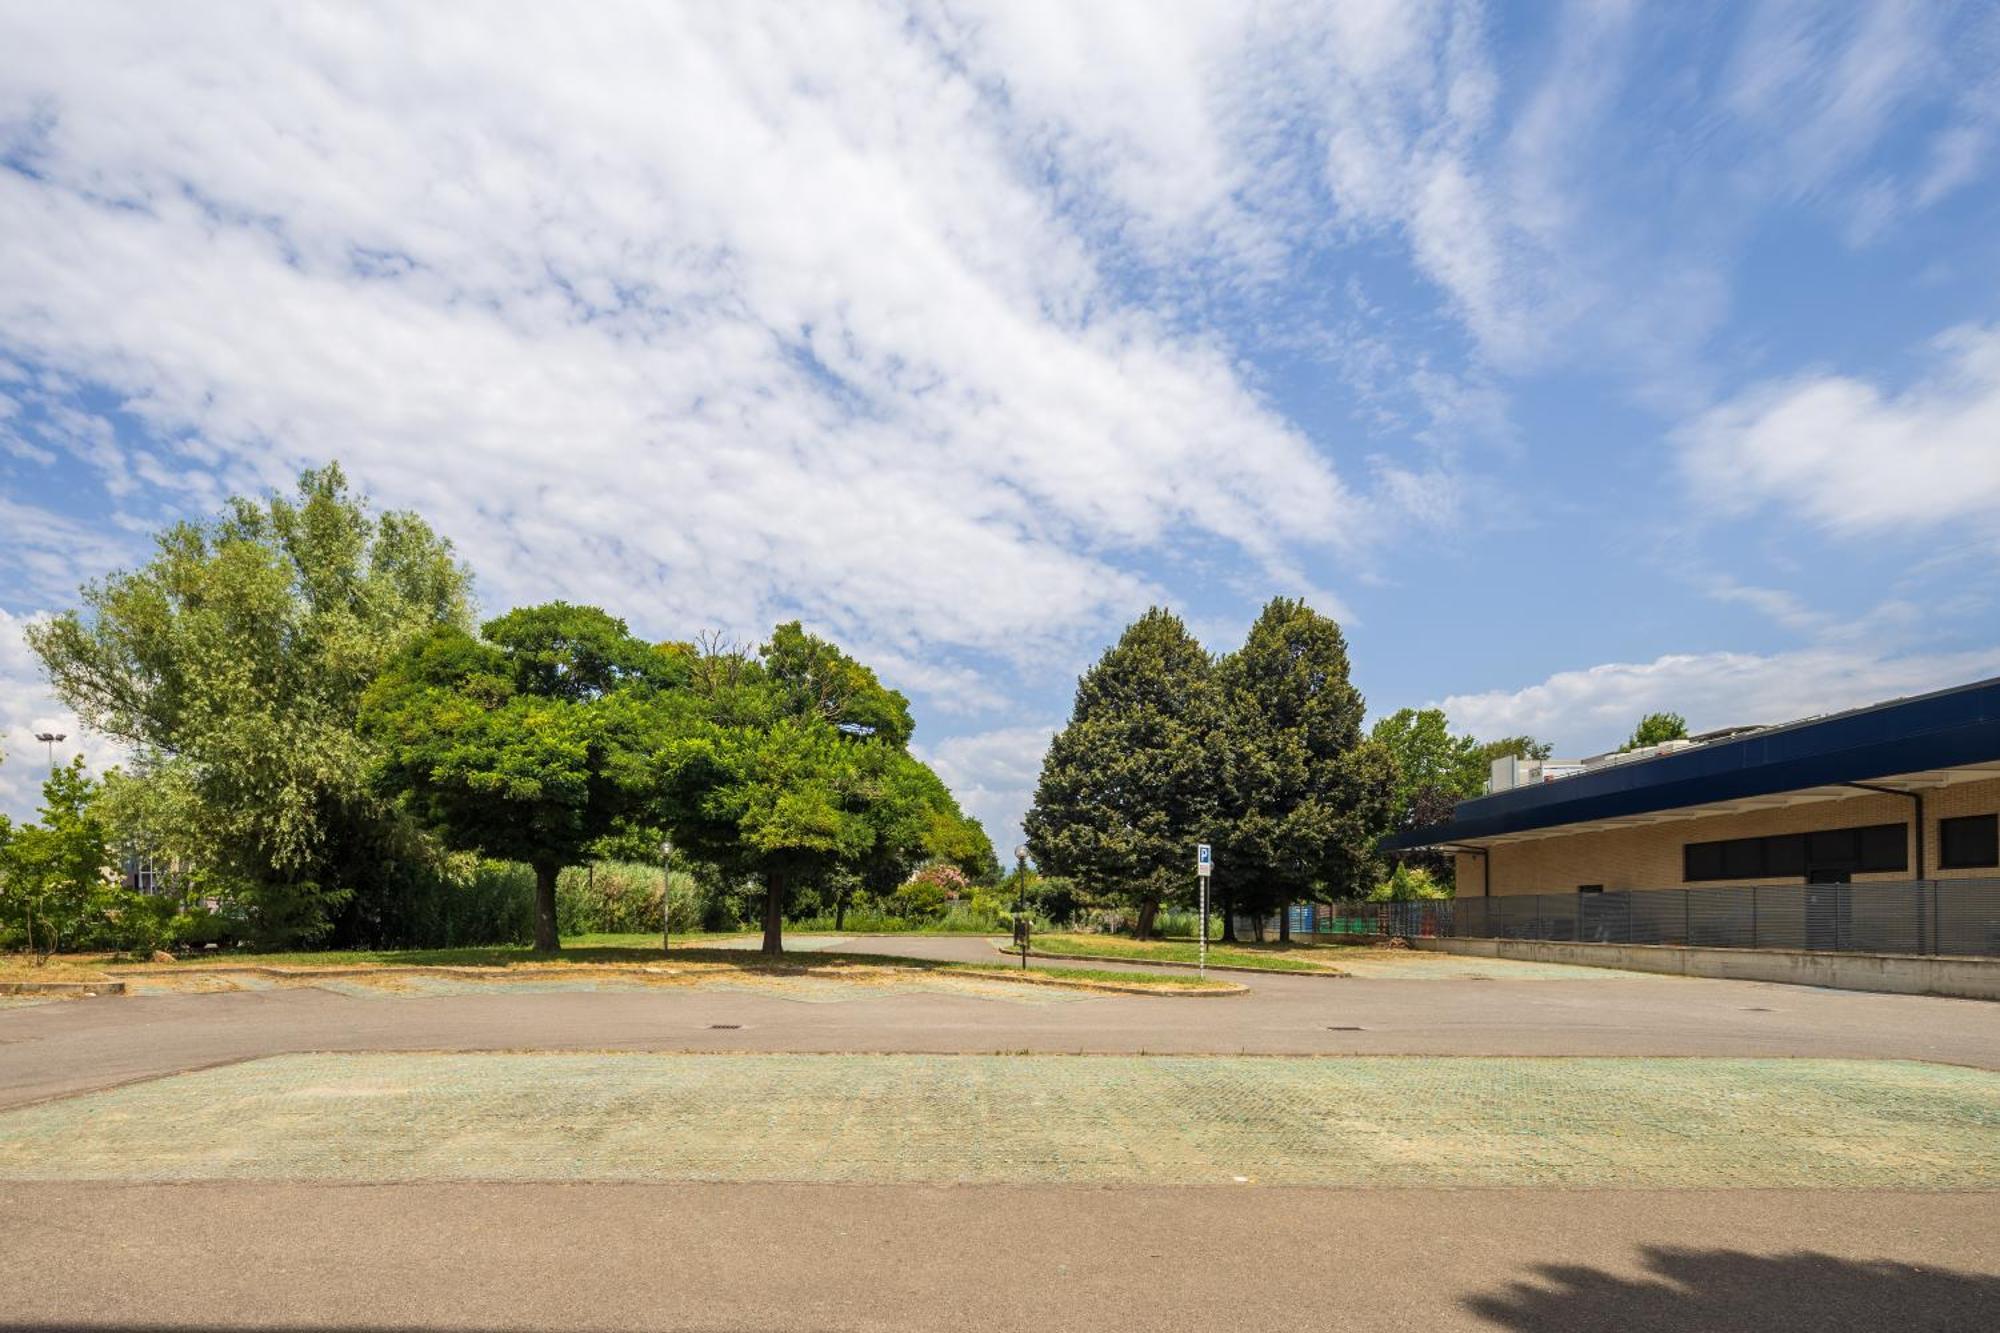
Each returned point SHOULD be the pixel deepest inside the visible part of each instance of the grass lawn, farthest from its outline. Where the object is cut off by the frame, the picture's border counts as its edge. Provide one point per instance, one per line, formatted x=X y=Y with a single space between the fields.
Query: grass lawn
x=597 y=951
x=1272 y=957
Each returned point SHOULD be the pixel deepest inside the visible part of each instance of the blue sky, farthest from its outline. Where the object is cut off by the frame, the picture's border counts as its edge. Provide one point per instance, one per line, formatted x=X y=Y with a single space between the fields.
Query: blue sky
x=1583 y=360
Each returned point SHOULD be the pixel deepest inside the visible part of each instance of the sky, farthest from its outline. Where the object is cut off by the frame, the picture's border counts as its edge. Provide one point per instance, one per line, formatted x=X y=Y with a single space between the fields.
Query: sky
x=1582 y=360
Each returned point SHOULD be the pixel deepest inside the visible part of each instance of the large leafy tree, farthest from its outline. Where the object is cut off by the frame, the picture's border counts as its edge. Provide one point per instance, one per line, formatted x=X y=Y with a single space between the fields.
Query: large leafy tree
x=789 y=767
x=529 y=743
x=1305 y=795
x=1128 y=787
x=1429 y=757
x=236 y=659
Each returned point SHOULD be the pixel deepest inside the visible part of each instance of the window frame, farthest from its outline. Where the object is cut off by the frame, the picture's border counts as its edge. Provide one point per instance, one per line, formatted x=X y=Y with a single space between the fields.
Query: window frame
x=1944 y=854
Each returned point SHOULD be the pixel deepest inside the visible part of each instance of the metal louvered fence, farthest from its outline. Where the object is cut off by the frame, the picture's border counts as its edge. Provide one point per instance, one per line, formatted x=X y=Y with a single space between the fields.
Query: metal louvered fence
x=1956 y=916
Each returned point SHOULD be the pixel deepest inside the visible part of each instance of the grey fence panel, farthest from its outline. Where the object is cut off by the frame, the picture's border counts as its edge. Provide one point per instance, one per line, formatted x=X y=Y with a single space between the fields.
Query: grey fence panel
x=1906 y=917
x=1965 y=917
x=1658 y=917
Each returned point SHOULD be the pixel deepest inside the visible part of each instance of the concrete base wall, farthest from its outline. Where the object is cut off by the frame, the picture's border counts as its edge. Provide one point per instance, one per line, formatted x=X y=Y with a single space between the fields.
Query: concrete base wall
x=1900 y=974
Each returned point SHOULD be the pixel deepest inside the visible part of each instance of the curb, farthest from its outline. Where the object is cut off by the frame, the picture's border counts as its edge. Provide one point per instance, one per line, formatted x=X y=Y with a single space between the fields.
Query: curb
x=62 y=988
x=498 y=975
x=1161 y=962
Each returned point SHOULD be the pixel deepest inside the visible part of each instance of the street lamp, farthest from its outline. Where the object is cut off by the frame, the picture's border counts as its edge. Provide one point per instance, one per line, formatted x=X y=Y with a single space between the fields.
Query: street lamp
x=1021 y=876
x=51 y=737
x=666 y=896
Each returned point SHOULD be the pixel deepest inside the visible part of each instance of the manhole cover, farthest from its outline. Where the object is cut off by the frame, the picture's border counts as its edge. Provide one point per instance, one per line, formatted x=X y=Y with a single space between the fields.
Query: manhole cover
x=1754 y=1009
x=1346 y=1027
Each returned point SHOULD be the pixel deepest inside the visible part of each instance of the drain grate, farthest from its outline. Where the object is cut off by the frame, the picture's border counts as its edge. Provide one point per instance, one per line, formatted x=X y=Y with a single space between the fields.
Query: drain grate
x=1346 y=1027
x=724 y=1027
x=1757 y=1009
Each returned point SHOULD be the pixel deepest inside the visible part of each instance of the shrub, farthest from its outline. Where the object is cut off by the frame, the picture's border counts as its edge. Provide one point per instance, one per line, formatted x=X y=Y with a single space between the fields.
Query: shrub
x=623 y=898
x=1408 y=884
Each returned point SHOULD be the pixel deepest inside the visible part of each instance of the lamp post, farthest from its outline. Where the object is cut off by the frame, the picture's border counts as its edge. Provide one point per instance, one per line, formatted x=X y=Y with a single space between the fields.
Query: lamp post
x=51 y=737
x=666 y=896
x=1021 y=926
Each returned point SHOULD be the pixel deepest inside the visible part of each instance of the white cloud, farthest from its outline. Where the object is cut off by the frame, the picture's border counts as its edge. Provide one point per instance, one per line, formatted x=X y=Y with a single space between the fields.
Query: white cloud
x=1596 y=708
x=715 y=315
x=1858 y=460
x=993 y=774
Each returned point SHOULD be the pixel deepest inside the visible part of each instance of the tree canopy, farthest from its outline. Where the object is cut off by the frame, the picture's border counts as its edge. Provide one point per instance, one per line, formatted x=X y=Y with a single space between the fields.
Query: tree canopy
x=527 y=743
x=1656 y=729
x=1129 y=786
x=791 y=765
x=1429 y=757
x=1304 y=796
x=236 y=658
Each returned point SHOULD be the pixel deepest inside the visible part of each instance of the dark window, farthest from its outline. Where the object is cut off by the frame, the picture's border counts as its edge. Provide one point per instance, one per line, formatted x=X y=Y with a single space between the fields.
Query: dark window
x=1785 y=854
x=1743 y=858
x=1877 y=847
x=1833 y=847
x=1702 y=860
x=1884 y=847
x=1973 y=840
x=1590 y=888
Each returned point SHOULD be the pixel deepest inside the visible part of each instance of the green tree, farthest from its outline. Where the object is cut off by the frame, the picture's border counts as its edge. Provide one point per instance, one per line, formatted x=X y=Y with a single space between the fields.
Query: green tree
x=1656 y=729
x=238 y=655
x=1128 y=787
x=530 y=743
x=790 y=768
x=1428 y=757
x=1513 y=747
x=54 y=872
x=817 y=680
x=1305 y=797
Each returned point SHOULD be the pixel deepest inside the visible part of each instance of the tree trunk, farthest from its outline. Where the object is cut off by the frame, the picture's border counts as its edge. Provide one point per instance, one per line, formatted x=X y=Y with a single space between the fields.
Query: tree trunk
x=1228 y=919
x=1148 y=909
x=840 y=911
x=1284 y=923
x=545 y=909
x=774 y=915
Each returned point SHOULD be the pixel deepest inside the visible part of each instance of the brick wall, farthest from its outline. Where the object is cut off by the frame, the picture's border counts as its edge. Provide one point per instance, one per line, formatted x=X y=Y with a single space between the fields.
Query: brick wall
x=1648 y=856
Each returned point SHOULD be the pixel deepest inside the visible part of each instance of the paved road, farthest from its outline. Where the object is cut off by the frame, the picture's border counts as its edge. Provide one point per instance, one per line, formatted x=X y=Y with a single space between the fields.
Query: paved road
x=56 y=1049
x=747 y=1257
x=863 y=1257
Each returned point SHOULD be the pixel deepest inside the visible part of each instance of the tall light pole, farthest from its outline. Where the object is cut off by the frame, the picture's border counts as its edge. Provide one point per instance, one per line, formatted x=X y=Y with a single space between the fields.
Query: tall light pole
x=51 y=737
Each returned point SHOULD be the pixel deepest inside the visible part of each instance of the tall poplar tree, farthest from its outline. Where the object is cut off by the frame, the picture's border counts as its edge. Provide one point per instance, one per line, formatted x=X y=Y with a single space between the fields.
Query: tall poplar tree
x=1128 y=787
x=1304 y=795
x=234 y=660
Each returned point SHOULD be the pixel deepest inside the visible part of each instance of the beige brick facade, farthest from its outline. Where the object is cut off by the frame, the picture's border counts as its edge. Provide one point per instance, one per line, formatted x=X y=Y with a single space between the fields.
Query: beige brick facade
x=1649 y=856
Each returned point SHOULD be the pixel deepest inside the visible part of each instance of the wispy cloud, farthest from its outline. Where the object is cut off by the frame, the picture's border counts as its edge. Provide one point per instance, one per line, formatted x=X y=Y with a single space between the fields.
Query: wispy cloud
x=1855 y=458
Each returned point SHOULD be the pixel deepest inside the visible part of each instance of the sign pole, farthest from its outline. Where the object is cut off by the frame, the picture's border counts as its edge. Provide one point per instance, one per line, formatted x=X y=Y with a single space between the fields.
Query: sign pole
x=1204 y=864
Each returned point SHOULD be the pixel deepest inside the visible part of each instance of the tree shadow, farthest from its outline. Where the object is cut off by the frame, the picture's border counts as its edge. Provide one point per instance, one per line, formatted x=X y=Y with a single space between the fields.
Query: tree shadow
x=1721 y=1291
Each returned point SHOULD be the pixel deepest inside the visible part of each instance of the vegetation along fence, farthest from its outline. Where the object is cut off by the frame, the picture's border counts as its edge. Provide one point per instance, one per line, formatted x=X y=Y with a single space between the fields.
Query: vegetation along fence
x=1914 y=917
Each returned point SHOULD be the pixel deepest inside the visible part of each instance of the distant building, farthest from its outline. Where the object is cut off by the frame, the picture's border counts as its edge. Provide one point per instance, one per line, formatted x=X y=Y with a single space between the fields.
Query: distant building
x=1904 y=790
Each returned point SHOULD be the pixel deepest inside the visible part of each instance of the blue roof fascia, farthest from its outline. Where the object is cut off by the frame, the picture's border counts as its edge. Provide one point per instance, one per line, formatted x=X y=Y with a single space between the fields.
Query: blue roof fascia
x=1942 y=730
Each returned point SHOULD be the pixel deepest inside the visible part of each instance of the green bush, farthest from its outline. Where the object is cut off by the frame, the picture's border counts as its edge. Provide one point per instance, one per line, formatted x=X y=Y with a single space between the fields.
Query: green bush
x=1408 y=884
x=623 y=898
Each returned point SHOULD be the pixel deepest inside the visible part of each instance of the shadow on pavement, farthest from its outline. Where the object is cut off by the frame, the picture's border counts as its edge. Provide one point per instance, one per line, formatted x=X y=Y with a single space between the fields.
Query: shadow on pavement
x=1721 y=1291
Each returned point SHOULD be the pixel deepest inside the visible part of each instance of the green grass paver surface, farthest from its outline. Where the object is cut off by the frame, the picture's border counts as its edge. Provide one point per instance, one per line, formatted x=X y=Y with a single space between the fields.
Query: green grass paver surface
x=1355 y=1121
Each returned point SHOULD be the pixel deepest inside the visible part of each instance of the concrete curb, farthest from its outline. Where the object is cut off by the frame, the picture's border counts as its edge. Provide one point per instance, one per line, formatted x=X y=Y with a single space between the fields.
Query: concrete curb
x=500 y=975
x=62 y=988
x=1161 y=962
